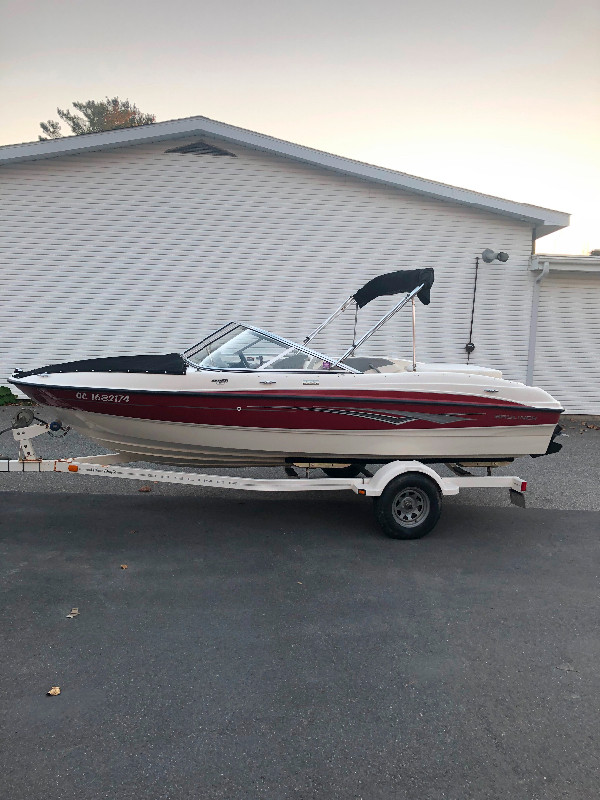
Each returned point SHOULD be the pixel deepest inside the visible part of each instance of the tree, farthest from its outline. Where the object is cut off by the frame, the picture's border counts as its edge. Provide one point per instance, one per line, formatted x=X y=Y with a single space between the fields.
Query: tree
x=103 y=115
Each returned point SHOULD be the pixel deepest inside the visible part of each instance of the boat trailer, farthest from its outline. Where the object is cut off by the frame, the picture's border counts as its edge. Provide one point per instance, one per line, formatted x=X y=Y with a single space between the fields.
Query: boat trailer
x=407 y=494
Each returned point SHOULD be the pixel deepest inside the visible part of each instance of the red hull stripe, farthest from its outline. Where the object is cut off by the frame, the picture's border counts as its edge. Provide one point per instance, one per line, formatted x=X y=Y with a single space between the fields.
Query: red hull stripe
x=315 y=411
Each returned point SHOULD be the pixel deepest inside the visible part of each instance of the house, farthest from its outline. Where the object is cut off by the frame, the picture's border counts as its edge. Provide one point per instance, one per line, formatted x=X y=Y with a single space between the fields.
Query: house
x=145 y=239
x=564 y=340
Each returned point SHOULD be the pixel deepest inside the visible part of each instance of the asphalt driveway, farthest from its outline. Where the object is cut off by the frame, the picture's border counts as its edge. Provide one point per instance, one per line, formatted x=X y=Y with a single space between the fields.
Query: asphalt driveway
x=274 y=646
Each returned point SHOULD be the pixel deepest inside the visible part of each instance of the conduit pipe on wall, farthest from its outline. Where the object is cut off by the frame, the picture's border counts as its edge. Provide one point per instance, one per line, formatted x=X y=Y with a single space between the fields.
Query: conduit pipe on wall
x=469 y=347
x=533 y=323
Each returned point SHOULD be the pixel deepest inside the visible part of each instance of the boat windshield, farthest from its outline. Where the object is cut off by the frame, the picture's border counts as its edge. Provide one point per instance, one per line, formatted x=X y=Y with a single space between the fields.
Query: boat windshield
x=239 y=347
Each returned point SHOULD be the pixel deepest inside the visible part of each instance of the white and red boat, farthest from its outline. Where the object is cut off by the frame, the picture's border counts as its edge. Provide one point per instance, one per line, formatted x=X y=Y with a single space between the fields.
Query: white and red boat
x=244 y=397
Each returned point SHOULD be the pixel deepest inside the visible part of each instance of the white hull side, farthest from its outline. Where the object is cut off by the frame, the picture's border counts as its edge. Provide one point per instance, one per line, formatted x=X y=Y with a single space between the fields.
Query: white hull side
x=197 y=444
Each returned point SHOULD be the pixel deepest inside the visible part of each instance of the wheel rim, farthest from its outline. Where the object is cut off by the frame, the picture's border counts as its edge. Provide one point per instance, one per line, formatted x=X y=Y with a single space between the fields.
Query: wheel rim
x=410 y=507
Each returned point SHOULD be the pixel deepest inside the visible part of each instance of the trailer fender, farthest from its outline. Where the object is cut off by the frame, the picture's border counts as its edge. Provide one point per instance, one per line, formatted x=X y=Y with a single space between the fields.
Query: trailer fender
x=374 y=486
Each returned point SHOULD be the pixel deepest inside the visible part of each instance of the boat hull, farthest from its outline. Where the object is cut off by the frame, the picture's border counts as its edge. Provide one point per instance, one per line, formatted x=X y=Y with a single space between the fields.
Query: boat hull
x=192 y=444
x=272 y=427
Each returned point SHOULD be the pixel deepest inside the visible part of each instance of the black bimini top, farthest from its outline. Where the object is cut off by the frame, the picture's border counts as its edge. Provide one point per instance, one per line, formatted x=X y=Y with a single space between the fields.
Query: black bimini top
x=169 y=364
x=404 y=280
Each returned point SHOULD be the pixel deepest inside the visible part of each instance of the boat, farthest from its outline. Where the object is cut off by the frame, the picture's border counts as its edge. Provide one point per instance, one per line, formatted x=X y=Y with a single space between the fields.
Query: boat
x=243 y=396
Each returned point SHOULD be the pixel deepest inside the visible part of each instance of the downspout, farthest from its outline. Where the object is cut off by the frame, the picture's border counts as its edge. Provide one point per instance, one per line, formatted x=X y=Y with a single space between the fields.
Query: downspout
x=533 y=323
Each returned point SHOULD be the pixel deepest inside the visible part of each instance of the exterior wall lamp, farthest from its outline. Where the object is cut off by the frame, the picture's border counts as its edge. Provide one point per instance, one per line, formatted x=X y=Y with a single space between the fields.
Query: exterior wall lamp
x=490 y=255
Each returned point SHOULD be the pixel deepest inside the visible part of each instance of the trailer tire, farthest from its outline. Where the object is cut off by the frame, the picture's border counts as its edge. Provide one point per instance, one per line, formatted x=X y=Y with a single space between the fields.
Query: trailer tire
x=409 y=506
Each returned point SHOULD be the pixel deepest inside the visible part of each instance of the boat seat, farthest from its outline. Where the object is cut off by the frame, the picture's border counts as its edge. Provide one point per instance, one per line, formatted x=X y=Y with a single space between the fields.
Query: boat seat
x=399 y=365
x=369 y=364
x=392 y=365
x=380 y=365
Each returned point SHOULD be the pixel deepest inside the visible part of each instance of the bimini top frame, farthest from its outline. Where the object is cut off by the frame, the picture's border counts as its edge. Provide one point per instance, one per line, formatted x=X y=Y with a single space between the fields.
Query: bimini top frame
x=416 y=282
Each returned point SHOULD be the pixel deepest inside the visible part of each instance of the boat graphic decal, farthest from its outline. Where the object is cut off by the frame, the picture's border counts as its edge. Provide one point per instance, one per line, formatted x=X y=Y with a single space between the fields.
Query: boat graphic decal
x=388 y=417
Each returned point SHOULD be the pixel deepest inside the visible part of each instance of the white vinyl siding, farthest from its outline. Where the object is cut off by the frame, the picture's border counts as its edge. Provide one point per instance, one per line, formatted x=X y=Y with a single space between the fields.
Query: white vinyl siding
x=137 y=250
x=567 y=358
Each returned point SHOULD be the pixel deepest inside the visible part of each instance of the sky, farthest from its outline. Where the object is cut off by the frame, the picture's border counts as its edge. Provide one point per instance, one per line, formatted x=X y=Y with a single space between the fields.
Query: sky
x=502 y=98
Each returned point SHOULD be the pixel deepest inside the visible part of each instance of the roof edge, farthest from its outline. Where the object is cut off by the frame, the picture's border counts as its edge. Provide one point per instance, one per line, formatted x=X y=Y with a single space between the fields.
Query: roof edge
x=543 y=220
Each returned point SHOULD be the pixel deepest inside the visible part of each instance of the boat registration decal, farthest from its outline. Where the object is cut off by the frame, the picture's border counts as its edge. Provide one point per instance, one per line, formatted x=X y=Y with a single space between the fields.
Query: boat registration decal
x=103 y=398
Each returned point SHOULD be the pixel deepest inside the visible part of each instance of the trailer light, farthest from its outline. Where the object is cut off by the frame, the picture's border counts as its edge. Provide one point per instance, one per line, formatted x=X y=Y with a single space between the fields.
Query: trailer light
x=523 y=486
x=362 y=491
x=73 y=468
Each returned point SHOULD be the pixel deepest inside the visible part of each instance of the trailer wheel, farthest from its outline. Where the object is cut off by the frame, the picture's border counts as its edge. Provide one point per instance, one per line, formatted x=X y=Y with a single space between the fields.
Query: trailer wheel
x=409 y=506
x=351 y=471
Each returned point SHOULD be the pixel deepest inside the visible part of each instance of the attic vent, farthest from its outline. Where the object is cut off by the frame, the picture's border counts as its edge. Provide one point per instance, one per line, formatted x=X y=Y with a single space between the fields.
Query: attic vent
x=201 y=149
